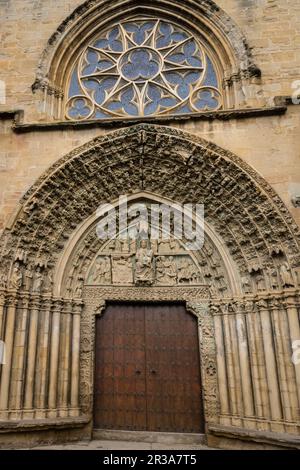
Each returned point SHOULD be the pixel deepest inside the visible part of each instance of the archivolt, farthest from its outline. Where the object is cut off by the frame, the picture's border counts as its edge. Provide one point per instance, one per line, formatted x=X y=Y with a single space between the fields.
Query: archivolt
x=240 y=206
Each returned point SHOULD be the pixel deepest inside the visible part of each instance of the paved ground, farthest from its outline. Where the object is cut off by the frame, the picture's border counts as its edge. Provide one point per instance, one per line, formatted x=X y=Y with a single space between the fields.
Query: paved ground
x=121 y=445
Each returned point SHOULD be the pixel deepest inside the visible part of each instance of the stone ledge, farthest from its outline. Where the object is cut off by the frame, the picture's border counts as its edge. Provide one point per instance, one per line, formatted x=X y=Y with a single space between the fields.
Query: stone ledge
x=222 y=115
x=267 y=437
x=41 y=424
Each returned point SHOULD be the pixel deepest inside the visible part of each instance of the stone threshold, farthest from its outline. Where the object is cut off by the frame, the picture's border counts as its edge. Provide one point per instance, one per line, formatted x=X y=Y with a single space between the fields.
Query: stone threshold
x=266 y=437
x=22 y=425
x=223 y=115
x=168 y=438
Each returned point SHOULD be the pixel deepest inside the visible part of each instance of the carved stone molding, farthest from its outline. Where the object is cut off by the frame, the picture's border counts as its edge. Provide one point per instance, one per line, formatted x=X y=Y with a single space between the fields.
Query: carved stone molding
x=260 y=236
x=196 y=300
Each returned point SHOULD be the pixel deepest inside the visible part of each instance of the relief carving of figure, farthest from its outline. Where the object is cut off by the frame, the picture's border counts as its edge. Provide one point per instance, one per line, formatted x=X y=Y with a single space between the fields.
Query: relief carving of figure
x=144 y=264
x=102 y=273
x=186 y=272
x=16 y=279
x=286 y=276
x=166 y=270
x=122 y=270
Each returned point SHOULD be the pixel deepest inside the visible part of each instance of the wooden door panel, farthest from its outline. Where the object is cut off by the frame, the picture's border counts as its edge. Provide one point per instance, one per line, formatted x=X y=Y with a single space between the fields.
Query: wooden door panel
x=120 y=390
x=147 y=374
x=173 y=370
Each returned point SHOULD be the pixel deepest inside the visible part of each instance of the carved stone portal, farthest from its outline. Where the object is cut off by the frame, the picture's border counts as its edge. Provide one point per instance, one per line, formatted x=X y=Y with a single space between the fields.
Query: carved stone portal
x=197 y=303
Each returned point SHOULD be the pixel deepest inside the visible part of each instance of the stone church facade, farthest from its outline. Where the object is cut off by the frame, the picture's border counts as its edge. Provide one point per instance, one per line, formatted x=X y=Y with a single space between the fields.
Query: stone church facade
x=165 y=102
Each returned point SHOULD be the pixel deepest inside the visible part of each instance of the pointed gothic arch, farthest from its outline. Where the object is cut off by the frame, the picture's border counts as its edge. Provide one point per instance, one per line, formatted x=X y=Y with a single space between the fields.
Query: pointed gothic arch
x=254 y=237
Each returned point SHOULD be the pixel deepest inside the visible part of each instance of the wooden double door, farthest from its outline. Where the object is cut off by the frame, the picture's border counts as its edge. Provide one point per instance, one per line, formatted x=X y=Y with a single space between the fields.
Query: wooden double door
x=147 y=369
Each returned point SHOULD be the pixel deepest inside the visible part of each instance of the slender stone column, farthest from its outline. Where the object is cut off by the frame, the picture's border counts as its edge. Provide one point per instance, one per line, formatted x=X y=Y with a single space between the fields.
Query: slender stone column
x=65 y=346
x=31 y=356
x=77 y=308
x=282 y=369
x=271 y=367
x=289 y=366
x=17 y=379
x=260 y=398
x=54 y=352
x=230 y=370
x=245 y=365
x=236 y=362
x=2 y=312
x=221 y=365
x=12 y=302
x=42 y=370
x=294 y=327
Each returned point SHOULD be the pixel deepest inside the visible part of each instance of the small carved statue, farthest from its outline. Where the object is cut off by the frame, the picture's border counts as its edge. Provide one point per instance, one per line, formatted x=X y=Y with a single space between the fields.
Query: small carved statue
x=79 y=287
x=16 y=279
x=273 y=278
x=3 y=280
x=37 y=281
x=144 y=264
x=260 y=282
x=246 y=284
x=48 y=285
x=213 y=290
x=28 y=277
x=286 y=276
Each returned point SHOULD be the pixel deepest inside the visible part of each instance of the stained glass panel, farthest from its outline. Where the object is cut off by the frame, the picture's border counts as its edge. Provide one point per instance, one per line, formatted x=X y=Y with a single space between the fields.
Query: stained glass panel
x=142 y=68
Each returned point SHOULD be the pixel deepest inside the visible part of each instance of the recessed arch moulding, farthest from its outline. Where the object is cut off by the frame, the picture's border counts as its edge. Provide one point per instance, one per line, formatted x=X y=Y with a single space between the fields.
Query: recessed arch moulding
x=238 y=74
x=56 y=275
x=246 y=222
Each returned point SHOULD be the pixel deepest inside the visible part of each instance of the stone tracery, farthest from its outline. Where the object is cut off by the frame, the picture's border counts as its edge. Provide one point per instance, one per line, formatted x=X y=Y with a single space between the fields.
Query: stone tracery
x=142 y=67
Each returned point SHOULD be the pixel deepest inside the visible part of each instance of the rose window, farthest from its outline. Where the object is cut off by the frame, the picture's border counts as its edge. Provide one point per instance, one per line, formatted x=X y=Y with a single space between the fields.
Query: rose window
x=143 y=68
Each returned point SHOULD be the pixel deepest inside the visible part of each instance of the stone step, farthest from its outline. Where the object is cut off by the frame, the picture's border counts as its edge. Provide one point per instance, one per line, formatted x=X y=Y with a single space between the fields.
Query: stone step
x=148 y=436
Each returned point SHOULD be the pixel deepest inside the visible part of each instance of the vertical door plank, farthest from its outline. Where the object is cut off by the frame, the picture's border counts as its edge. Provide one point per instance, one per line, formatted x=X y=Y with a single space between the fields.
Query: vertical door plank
x=173 y=370
x=120 y=398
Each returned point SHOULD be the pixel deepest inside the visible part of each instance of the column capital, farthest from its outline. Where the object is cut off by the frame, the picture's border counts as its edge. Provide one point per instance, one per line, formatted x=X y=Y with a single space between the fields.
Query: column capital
x=77 y=307
x=57 y=305
x=12 y=299
x=35 y=303
x=262 y=304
